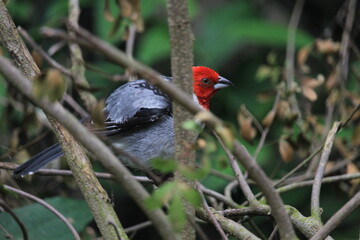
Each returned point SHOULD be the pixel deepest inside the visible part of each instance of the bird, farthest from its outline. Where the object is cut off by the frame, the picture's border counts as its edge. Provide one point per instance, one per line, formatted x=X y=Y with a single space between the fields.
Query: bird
x=139 y=120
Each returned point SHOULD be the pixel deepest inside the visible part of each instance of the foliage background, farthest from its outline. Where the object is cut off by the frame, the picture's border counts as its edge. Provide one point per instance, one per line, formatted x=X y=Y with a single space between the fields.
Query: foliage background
x=233 y=37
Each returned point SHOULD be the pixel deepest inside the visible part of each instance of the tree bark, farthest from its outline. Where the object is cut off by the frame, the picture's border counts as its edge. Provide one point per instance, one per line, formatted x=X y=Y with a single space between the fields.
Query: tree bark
x=181 y=41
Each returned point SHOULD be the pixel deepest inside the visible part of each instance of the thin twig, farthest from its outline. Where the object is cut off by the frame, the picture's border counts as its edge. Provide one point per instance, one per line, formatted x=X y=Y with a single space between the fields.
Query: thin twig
x=295 y=169
x=77 y=61
x=238 y=174
x=129 y=49
x=315 y=194
x=343 y=65
x=48 y=206
x=138 y=227
x=231 y=227
x=338 y=217
x=67 y=173
x=56 y=65
x=267 y=128
x=211 y=215
x=218 y=196
x=22 y=227
x=290 y=46
x=331 y=179
x=273 y=233
x=229 y=187
x=41 y=51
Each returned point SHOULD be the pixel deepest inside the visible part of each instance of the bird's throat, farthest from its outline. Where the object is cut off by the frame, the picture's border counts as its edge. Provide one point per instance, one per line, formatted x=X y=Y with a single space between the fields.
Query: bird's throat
x=204 y=102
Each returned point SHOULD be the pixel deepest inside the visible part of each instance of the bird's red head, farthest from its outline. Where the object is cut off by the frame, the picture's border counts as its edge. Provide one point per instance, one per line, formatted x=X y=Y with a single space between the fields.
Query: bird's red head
x=206 y=83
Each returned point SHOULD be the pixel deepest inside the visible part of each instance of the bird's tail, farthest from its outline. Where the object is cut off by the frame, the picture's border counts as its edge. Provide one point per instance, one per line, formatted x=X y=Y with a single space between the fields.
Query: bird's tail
x=39 y=160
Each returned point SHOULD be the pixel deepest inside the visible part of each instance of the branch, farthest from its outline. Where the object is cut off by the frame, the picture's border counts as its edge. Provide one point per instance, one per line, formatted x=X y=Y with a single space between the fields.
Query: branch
x=93 y=144
x=315 y=194
x=48 y=206
x=182 y=59
x=245 y=188
x=338 y=217
x=332 y=179
x=15 y=45
x=21 y=225
x=231 y=227
x=343 y=65
x=77 y=61
x=67 y=173
x=210 y=213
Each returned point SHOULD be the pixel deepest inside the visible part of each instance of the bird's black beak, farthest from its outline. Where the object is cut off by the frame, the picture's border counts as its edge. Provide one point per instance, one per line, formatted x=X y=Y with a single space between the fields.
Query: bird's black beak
x=223 y=83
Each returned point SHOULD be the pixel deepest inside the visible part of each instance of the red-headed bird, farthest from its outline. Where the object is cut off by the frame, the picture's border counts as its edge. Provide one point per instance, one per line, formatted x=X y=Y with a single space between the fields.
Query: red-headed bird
x=139 y=120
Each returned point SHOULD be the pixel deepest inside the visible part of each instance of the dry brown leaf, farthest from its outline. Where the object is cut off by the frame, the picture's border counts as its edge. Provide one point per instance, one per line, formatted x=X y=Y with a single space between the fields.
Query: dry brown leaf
x=283 y=109
x=98 y=115
x=309 y=93
x=331 y=80
x=269 y=119
x=126 y=8
x=107 y=13
x=37 y=58
x=351 y=168
x=355 y=139
x=327 y=46
x=286 y=151
x=303 y=54
x=329 y=166
x=247 y=131
x=313 y=82
x=201 y=143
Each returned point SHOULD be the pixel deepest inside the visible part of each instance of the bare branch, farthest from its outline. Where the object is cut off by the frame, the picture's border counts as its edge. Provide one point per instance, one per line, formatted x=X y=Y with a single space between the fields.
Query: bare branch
x=238 y=174
x=315 y=194
x=210 y=214
x=48 y=206
x=22 y=227
x=343 y=65
x=338 y=217
x=218 y=196
x=231 y=227
x=67 y=173
x=77 y=61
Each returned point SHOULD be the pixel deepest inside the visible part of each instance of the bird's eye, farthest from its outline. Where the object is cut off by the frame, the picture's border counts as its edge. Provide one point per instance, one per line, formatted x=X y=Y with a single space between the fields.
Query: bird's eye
x=205 y=80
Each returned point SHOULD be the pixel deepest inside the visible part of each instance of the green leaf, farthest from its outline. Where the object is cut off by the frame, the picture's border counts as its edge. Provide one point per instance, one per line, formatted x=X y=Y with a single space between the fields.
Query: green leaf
x=40 y=223
x=161 y=195
x=177 y=213
x=193 y=173
x=164 y=165
x=192 y=196
x=192 y=125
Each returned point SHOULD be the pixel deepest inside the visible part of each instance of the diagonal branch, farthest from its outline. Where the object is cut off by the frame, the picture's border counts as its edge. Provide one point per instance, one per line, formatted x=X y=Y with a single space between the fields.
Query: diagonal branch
x=338 y=217
x=48 y=206
x=315 y=194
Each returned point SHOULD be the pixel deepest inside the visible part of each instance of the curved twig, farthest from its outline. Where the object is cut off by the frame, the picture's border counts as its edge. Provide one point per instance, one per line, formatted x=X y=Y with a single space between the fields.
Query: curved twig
x=315 y=194
x=48 y=206
x=17 y=220
x=211 y=215
x=338 y=217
